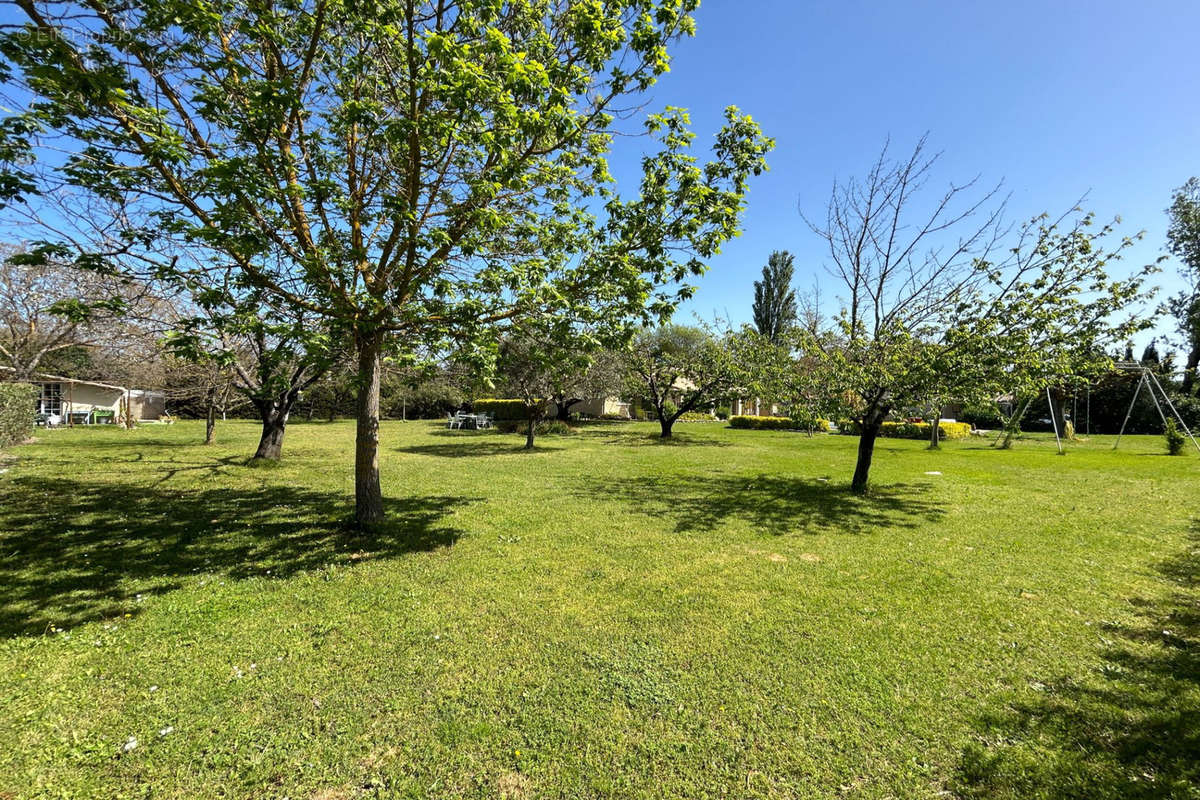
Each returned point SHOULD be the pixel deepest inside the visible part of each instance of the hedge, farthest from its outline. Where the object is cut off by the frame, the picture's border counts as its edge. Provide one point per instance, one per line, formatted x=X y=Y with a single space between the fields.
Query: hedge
x=500 y=409
x=913 y=430
x=749 y=422
x=16 y=412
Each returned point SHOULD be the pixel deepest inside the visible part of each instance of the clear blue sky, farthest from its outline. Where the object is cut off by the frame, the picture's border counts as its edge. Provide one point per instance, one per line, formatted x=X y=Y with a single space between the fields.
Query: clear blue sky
x=1055 y=98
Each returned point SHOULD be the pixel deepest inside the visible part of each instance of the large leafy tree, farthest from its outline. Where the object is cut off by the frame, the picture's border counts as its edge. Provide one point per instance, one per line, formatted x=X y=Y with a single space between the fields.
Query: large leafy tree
x=1183 y=241
x=774 y=298
x=532 y=362
x=934 y=283
x=680 y=368
x=413 y=170
x=271 y=354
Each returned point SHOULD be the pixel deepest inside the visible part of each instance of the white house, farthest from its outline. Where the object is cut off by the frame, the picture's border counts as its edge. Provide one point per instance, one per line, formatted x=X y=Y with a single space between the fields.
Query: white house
x=77 y=402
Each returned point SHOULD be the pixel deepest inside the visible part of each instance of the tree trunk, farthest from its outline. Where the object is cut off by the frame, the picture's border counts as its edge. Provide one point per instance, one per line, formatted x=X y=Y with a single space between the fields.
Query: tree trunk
x=935 y=433
x=1058 y=414
x=274 y=425
x=666 y=423
x=530 y=428
x=872 y=421
x=368 y=496
x=1189 y=371
x=1013 y=426
x=563 y=409
x=210 y=418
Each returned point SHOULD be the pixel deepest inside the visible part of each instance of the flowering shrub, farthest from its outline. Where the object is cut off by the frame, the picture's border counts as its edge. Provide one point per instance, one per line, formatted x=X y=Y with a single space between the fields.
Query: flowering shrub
x=748 y=422
x=912 y=430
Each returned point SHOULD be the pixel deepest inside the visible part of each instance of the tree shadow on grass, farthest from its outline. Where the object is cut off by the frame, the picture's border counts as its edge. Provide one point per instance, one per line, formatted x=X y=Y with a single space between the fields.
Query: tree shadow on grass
x=1129 y=729
x=644 y=438
x=479 y=444
x=773 y=504
x=75 y=551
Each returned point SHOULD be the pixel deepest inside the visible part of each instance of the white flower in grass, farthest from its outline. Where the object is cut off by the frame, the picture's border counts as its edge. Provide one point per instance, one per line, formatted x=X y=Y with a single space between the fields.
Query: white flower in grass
x=130 y=744
x=166 y=730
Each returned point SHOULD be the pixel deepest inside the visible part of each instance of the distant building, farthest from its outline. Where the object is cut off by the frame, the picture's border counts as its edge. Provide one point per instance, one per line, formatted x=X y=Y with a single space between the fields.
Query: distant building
x=70 y=401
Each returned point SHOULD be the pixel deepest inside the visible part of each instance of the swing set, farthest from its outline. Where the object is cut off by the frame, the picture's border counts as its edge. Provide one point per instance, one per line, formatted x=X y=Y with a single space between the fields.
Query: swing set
x=1146 y=378
x=1150 y=381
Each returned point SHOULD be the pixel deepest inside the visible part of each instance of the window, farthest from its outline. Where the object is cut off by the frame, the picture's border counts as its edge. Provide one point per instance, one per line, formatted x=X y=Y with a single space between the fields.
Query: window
x=50 y=399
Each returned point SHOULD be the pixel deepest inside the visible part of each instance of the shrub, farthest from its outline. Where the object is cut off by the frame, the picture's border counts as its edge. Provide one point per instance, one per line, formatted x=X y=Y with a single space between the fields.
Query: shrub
x=748 y=422
x=911 y=430
x=981 y=415
x=724 y=412
x=430 y=399
x=804 y=420
x=16 y=412
x=1175 y=439
x=696 y=416
x=500 y=409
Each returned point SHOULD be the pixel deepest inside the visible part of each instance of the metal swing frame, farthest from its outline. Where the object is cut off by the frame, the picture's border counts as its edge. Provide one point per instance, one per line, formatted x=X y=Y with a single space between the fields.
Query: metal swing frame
x=1150 y=381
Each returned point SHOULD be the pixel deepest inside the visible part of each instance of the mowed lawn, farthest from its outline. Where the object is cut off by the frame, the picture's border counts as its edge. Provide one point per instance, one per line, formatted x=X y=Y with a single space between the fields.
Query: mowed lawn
x=608 y=616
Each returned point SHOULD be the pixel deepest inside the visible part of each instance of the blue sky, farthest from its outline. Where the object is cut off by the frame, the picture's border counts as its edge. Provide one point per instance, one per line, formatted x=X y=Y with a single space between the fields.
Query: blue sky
x=1054 y=98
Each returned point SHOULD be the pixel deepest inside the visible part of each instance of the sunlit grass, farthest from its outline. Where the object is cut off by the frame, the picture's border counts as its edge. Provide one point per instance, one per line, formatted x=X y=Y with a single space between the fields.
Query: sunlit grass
x=607 y=616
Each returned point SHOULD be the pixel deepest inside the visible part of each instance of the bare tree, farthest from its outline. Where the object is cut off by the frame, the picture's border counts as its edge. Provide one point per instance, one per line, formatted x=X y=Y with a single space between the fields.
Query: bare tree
x=47 y=308
x=941 y=300
x=901 y=260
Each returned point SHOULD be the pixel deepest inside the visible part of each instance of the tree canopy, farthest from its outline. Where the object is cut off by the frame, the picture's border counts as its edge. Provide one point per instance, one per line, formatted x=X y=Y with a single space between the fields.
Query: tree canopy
x=774 y=307
x=936 y=287
x=415 y=171
x=1183 y=241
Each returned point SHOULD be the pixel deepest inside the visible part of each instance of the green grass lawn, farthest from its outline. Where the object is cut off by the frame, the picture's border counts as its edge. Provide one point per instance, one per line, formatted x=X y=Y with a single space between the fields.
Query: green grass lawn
x=608 y=616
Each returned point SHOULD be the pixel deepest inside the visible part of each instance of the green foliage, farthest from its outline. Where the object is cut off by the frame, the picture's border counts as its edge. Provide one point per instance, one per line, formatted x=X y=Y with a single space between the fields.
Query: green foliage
x=414 y=175
x=502 y=409
x=981 y=415
x=1174 y=437
x=426 y=399
x=803 y=419
x=17 y=403
x=679 y=368
x=751 y=422
x=1183 y=241
x=774 y=307
x=724 y=411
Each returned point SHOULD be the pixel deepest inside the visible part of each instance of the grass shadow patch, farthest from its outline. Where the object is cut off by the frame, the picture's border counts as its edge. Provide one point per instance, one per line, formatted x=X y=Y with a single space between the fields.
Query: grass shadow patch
x=482 y=445
x=1127 y=730
x=628 y=438
x=76 y=551
x=773 y=504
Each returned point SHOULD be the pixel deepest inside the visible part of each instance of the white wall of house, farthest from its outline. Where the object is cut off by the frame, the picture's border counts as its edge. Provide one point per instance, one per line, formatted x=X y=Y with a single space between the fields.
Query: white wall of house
x=64 y=397
x=598 y=407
